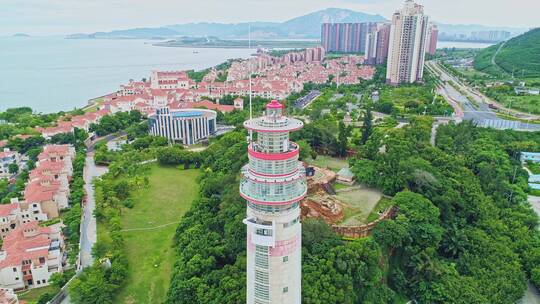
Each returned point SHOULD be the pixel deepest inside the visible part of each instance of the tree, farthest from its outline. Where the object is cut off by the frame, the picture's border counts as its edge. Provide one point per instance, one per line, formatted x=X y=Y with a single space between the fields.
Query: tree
x=305 y=149
x=342 y=139
x=91 y=287
x=13 y=168
x=367 y=128
x=45 y=298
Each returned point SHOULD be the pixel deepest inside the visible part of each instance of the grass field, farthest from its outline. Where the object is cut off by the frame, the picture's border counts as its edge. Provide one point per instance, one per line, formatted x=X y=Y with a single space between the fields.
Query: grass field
x=523 y=103
x=383 y=204
x=149 y=252
x=32 y=296
x=472 y=73
x=534 y=167
x=328 y=162
x=359 y=202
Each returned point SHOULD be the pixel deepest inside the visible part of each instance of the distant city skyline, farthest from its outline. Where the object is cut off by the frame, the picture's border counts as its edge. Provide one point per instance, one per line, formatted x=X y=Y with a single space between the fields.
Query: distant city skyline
x=58 y=17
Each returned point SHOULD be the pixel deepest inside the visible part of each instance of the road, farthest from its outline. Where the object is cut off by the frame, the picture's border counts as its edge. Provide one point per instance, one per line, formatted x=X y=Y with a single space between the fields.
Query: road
x=88 y=221
x=497 y=53
x=305 y=101
x=474 y=108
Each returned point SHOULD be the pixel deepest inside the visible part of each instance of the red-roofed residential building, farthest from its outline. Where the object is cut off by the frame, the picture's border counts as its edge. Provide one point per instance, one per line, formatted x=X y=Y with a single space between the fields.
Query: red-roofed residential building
x=58 y=153
x=30 y=255
x=170 y=80
x=49 y=195
x=7 y=296
x=49 y=132
x=206 y=104
x=47 y=191
x=9 y=218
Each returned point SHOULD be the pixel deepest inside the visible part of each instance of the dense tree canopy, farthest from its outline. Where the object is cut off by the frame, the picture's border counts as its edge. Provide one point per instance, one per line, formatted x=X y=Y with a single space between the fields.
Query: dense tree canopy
x=467 y=226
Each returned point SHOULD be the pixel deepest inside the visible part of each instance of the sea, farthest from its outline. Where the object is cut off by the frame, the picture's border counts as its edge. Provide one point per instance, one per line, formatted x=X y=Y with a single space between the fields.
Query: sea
x=51 y=74
x=462 y=45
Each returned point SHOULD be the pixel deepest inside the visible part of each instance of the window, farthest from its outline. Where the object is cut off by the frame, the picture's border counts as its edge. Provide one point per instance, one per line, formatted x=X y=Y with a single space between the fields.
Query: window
x=14 y=269
x=264 y=232
x=285 y=289
x=285 y=259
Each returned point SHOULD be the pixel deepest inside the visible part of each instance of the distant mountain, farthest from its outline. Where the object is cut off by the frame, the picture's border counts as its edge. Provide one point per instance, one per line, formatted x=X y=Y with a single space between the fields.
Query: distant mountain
x=221 y=30
x=308 y=26
x=466 y=29
x=519 y=55
x=137 y=33
x=21 y=35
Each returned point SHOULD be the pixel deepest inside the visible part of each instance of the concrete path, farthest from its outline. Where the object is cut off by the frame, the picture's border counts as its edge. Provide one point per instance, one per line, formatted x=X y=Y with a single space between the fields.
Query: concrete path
x=88 y=221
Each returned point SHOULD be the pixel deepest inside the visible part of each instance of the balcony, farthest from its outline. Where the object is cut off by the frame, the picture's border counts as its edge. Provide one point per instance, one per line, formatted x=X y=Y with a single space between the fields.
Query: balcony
x=262 y=232
x=265 y=124
x=254 y=150
x=287 y=197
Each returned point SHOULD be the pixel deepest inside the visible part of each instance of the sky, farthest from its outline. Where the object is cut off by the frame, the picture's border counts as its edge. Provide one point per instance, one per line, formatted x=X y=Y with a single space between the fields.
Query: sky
x=52 y=17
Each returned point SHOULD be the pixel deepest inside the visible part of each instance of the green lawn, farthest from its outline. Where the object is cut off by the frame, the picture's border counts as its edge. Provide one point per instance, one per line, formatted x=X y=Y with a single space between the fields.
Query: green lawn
x=523 y=103
x=359 y=202
x=97 y=102
x=149 y=252
x=328 y=162
x=472 y=73
x=382 y=205
x=534 y=167
x=32 y=296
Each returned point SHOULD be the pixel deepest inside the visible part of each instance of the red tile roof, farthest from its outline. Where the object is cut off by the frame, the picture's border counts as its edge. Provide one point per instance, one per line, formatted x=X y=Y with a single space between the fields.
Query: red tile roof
x=7 y=209
x=19 y=247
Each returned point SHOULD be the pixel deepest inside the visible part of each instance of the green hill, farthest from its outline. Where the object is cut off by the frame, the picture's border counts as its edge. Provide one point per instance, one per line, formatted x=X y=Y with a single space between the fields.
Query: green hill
x=520 y=55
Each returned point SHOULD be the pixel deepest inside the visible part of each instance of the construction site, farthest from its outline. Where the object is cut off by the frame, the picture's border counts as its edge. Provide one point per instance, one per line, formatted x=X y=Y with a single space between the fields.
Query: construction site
x=352 y=210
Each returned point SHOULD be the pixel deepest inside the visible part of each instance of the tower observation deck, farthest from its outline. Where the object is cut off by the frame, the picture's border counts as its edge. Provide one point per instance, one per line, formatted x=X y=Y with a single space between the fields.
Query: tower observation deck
x=273 y=184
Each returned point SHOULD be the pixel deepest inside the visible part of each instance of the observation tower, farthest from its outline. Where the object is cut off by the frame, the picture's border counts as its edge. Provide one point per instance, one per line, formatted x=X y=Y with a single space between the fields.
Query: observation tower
x=273 y=184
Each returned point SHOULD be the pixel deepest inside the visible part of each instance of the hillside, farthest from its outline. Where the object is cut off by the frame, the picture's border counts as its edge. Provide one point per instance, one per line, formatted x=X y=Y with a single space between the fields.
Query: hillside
x=307 y=26
x=519 y=55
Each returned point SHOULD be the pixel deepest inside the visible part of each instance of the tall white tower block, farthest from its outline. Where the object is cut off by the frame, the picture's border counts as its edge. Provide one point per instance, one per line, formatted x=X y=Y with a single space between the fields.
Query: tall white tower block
x=273 y=184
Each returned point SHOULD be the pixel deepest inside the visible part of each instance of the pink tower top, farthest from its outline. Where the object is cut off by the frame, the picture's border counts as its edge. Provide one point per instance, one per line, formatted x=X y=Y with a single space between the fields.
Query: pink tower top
x=274 y=104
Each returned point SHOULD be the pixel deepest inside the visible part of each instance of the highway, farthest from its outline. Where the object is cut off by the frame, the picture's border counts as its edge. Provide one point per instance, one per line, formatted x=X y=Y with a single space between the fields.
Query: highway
x=474 y=108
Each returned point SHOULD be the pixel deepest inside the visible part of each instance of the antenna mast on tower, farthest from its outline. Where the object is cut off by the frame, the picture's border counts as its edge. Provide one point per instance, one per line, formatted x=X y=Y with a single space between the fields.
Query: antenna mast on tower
x=250 y=75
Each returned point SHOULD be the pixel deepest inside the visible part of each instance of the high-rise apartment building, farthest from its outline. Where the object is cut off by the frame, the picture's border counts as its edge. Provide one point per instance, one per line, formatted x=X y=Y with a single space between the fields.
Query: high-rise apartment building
x=490 y=36
x=377 y=42
x=345 y=37
x=432 y=37
x=273 y=184
x=408 y=37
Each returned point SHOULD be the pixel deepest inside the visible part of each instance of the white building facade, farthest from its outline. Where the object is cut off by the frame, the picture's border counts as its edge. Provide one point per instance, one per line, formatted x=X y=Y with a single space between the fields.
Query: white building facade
x=8 y=157
x=187 y=126
x=408 y=37
x=273 y=184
